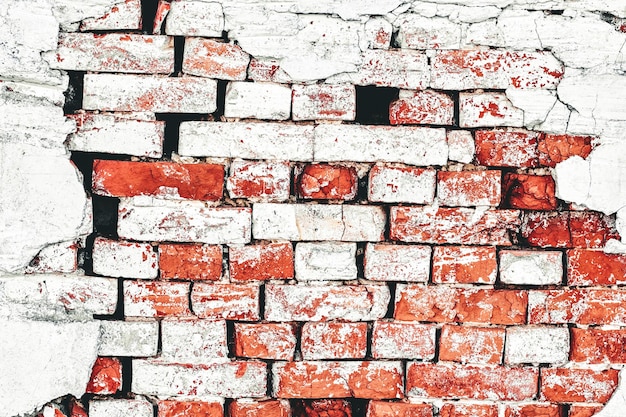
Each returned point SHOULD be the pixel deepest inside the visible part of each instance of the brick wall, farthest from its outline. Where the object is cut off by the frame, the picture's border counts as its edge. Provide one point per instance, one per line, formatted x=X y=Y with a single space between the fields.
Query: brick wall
x=327 y=208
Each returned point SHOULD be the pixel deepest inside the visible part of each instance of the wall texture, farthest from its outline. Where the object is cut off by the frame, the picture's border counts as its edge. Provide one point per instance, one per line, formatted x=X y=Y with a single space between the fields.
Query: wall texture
x=312 y=208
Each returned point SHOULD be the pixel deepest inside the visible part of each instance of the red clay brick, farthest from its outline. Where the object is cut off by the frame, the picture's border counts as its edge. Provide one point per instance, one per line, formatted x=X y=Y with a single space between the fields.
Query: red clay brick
x=331 y=340
x=469 y=188
x=533 y=410
x=471 y=344
x=598 y=346
x=228 y=301
x=557 y=148
x=468 y=410
x=261 y=262
x=594 y=267
x=156 y=299
x=322 y=181
x=578 y=410
x=422 y=107
x=464 y=265
x=76 y=409
x=323 y=408
x=174 y=408
x=265 y=340
x=529 y=192
x=584 y=306
x=106 y=376
x=259 y=180
x=257 y=408
x=507 y=148
x=576 y=229
x=398 y=409
x=403 y=340
x=578 y=385
x=192 y=262
x=213 y=59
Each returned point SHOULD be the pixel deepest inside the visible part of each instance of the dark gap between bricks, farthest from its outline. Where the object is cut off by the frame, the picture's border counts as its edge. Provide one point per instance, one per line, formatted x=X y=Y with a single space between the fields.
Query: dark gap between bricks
x=148 y=13
x=172 y=126
x=372 y=104
x=74 y=93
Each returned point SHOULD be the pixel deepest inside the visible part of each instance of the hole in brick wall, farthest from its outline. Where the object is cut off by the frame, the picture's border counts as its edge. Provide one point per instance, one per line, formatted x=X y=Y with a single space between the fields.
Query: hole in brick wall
x=457 y=107
x=221 y=100
x=360 y=259
x=230 y=338
x=372 y=104
x=179 y=52
x=362 y=188
x=74 y=93
x=359 y=407
x=172 y=125
x=127 y=374
x=392 y=296
x=394 y=39
x=148 y=13
x=105 y=215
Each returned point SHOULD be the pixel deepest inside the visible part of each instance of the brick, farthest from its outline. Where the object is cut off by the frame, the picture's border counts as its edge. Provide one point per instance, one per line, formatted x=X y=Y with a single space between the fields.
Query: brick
x=267 y=70
x=128 y=338
x=419 y=32
x=583 y=410
x=267 y=101
x=236 y=379
x=323 y=102
x=583 y=229
x=175 y=408
x=488 y=109
x=460 y=305
x=326 y=261
x=162 y=10
x=507 y=148
x=598 y=346
x=124 y=259
x=323 y=407
x=109 y=133
x=322 y=181
x=167 y=180
x=594 y=267
x=328 y=340
x=398 y=409
x=557 y=148
x=354 y=379
x=324 y=303
x=580 y=306
x=190 y=262
x=247 y=140
x=413 y=145
x=115 y=52
x=259 y=180
x=212 y=59
x=126 y=15
x=139 y=407
x=447 y=380
x=459 y=409
x=76 y=409
x=477 y=345
x=401 y=184
x=261 y=262
x=265 y=340
x=195 y=18
x=255 y=408
x=156 y=299
x=469 y=188
x=424 y=107
x=492 y=69
x=385 y=262
x=461 y=147
x=529 y=192
x=55 y=258
x=537 y=344
x=463 y=226
x=227 y=301
x=464 y=265
x=523 y=267
x=577 y=385
x=106 y=376
x=193 y=341
x=529 y=410
x=403 y=340
x=378 y=33
x=182 y=221
x=122 y=92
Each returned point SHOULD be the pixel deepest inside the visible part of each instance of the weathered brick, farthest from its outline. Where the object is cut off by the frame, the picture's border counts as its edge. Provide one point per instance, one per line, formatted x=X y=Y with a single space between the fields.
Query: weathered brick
x=109 y=407
x=256 y=408
x=186 y=408
x=323 y=407
x=212 y=59
x=378 y=33
x=228 y=301
x=326 y=261
x=354 y=379
x=450 y=305
x=524 y=267
x=267 y=101
x=423 y=107
x=106 y=376
x=193 y=341
x=461 y=147
x=508 y=148
x=190 y=262
x=398 y=409
x=557 y=148
x=526 y=410
x=323 y=102
x=261 y=262
x=488 y=109
x=329 y=340
x=128 y=338
x=464 y=226
x=259 y=180
x=403 y=340
x=162 y=10
x=156 y=299
x=563 y=385
x=401 y=184
x=267 y=70
x=594 y=267
x=122 y=92
x=576 y=229
x=536 y=344
x=265 y=340
x=467 y=344
x=55 y=258
x=580 y=306
x=584 y=410
x=195 y=18
x=464 y=265
x=529 y=192
x=469 y=188
x=124 y=259
x=126 y=15
x=460 y=409
x=385 y=262
x=323 y=303
x=598 y=346
x=419 y=32
x=322 y=181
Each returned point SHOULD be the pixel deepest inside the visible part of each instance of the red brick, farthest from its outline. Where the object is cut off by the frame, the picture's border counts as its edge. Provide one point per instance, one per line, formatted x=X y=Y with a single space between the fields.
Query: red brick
x=257 y=408
x=324 y=379
x=557 y=148
x=76 y=409
x=529 y=192
x=259 y=180
x=106 y=376
x=463 y=226
x=227 y=301
x=464 y=265
x=469 y=188
x=162 y=10
x=174 y=408
x=323 y=408
x=163 y=179
x=465 y=381
x=261 y=262
x=331 y=340
x=322 y=181
x=398 y=409
x=533 y=410
x=450 y=305
x=422 y=107
x=468 y=410
x=156 y=299
x=481 y=109
x=192 y=262
x=591 y=229
x=265 y=340
x=507 y=148
x=213 y=59
x=578 y=385
x=578 y=229
x=578 y=410
x=598 y=346
x=323 y=102
x=594 y=267
x=593 y=306
x=471 y=344
x=403 y=340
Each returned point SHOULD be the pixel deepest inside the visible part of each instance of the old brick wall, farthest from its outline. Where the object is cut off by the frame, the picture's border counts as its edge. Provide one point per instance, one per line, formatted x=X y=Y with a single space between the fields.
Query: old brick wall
x=312 y=208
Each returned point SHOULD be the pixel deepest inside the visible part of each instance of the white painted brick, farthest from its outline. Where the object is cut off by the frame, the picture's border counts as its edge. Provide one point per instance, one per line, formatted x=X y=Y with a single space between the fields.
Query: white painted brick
x=138 y=407
x=122 y=92
x=259 y=180
x=461 y=147
x=535 y=103
x=247 y=140
x=406 y=144
x=212 y=59
x=418 y=32
x=227 y=301
x=124 y=259
x=56 y=258
x=422 y=107
x=363 y=223
x=193 y=341
x=384 y=262
x=333 y=340
x=226 y=379
x=530 y=344
x=347 y=9
x=257 y=100
x=195 y=18
x=324 y=102
x=129 y=338
x=403 y=340
x=397 y=184
x=326 y=261
x=514 y=29
x=151 y=219
x=531 y=267
x=124 y=15
x=378 y=33
x=267 y=70
x=156 y=298
x=488 y=109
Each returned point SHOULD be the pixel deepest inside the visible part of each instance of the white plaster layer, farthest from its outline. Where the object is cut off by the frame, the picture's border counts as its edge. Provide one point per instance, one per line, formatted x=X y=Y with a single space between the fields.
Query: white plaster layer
x=193 y=341
x=129 y=338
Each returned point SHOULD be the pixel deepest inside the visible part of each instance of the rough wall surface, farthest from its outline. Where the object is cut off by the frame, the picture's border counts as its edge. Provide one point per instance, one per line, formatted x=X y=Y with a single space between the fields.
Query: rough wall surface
x=312 y=208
